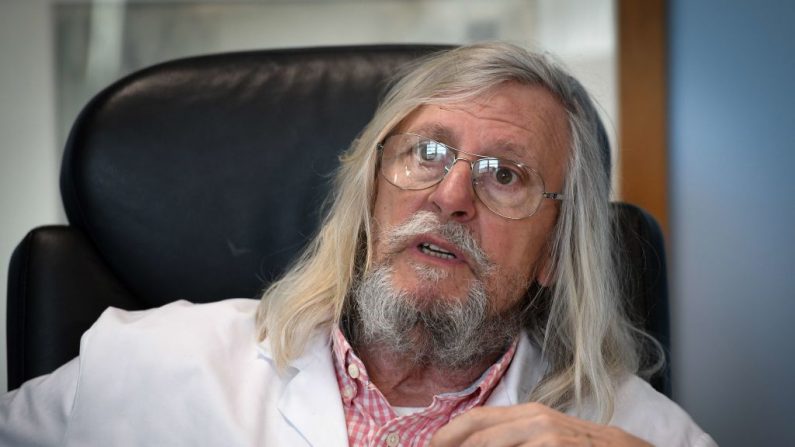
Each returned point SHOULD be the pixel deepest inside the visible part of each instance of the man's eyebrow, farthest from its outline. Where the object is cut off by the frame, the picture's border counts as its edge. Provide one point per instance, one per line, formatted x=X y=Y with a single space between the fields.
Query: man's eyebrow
x=512 y=151
x=498 y=148
x=435 y=131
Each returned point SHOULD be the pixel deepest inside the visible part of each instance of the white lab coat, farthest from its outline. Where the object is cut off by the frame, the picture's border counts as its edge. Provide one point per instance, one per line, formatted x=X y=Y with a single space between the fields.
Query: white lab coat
x=195 y=375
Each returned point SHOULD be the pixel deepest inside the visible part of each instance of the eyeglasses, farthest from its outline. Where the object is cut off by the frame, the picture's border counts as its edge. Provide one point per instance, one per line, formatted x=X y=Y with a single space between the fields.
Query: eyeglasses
x=509 y=189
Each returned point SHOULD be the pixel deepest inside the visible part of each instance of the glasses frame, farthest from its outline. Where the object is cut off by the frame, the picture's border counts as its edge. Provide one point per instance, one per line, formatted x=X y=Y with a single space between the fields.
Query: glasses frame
x=477 y=157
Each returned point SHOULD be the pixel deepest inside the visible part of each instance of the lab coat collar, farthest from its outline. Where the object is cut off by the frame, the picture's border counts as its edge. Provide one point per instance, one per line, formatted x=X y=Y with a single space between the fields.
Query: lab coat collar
x=310 y=399
x=526 y=370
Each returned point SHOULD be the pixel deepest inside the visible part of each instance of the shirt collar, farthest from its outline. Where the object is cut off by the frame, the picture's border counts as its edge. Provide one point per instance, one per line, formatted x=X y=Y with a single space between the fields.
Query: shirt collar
x=351 y=367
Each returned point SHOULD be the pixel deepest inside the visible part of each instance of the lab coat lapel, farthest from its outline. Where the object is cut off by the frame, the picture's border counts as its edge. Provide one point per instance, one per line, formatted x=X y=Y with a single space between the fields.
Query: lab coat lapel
x=311 y=402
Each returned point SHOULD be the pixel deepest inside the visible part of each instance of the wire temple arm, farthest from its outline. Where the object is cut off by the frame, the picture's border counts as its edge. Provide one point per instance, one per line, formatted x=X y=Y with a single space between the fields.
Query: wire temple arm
x=553 y=195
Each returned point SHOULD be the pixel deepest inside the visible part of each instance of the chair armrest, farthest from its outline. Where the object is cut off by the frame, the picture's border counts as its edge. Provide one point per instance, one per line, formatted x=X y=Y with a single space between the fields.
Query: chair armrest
x=47 y=317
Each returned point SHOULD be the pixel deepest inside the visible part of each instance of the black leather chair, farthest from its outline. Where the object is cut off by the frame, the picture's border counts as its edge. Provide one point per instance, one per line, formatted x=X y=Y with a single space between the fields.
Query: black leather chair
x=185 y=180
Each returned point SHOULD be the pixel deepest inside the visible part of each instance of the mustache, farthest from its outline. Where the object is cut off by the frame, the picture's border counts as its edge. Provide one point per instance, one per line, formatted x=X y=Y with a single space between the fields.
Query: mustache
x=398 y=237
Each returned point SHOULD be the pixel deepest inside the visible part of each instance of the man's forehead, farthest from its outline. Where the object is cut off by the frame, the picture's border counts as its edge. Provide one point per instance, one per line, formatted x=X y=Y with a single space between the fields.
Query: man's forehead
x=510 y=103
x=482 y=108
x=435 y=130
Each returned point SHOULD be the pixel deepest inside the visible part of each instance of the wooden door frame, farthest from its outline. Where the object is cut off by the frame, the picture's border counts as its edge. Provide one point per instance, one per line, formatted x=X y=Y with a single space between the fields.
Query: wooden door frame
x=642 y=77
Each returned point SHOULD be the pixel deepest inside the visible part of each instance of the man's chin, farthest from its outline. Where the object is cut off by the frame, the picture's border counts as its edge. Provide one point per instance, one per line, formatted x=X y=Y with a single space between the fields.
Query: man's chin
x=428 y=280
x=425 y=293
x=430 y=274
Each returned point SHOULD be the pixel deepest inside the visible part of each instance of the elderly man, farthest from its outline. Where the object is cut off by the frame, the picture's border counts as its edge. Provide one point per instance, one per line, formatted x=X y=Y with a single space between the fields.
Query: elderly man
x=462 y=290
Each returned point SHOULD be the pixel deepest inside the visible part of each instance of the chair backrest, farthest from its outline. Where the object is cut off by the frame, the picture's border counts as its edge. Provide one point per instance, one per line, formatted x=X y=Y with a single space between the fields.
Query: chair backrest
x=201 y=179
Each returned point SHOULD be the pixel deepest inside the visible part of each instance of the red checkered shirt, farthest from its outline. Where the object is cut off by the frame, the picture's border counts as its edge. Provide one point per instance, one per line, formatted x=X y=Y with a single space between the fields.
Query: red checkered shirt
x=373 y=422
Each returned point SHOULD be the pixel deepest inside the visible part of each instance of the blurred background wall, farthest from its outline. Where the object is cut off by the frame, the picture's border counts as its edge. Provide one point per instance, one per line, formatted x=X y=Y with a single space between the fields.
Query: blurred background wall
x=731 y=145
x=732 y=155
x=29 y=160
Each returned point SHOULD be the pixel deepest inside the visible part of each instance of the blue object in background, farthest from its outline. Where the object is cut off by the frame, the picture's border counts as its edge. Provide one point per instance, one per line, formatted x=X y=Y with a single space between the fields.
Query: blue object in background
x=732 y=164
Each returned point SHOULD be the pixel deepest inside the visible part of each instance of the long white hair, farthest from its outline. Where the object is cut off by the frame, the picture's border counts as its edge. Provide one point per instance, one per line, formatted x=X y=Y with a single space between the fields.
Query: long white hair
x=579 y=323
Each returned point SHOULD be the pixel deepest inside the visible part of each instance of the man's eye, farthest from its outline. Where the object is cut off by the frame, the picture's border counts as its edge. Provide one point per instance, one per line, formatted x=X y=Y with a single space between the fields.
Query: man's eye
x=505 y=176
x=430 y=151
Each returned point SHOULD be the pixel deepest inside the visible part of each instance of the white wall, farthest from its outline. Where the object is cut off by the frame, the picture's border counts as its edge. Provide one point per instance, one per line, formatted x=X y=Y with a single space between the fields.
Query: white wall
x=29 y=158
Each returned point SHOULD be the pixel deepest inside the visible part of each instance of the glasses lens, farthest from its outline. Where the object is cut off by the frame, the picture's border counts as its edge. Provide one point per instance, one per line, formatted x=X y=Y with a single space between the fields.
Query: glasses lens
x=507 y=188
x=413 y=162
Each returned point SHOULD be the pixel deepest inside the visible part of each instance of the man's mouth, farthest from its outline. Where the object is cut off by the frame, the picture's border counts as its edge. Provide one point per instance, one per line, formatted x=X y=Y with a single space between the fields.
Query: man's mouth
x=435 y=250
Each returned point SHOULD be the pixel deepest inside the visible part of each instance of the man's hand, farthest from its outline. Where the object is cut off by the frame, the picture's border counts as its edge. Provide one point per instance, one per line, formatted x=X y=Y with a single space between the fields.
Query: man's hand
x=529 y=424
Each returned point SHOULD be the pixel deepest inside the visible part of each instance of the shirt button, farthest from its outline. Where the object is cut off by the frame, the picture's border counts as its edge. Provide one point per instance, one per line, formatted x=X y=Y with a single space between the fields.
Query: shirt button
x=347 y=392
x=392 y=439
x=353 y=370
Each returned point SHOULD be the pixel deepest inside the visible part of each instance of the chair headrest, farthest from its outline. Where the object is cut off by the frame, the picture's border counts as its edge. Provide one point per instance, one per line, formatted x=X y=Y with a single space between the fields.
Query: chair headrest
x=202 y=177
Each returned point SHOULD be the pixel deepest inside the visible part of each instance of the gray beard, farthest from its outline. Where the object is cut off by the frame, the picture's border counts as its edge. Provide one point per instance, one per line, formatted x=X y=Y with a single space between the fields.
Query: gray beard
x=445 y=332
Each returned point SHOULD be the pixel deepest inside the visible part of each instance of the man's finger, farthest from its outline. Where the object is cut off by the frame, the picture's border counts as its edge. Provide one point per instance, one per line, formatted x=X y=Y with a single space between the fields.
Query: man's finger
x=458 y=429
x=523 y=419
x=517 y=432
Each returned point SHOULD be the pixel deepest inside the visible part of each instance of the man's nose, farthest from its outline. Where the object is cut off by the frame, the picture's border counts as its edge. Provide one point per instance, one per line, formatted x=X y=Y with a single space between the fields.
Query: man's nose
x=454 y=197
